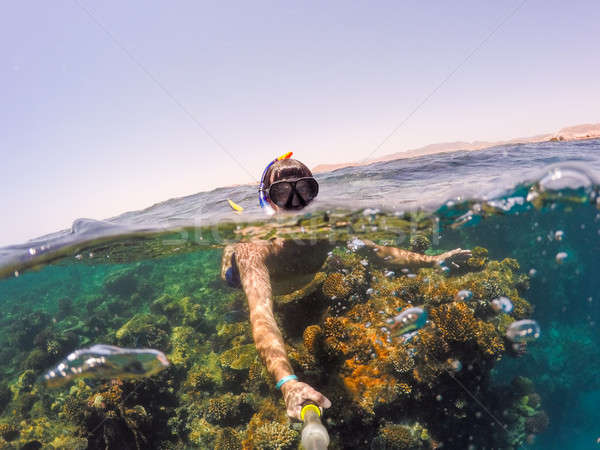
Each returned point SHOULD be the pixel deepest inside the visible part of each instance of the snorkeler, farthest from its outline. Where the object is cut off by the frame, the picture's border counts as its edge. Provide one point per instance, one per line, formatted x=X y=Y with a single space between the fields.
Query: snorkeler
x=278 y=266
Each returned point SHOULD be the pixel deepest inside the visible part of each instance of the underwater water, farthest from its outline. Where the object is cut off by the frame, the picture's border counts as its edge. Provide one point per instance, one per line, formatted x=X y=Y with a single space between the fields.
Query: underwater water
x=453 y=382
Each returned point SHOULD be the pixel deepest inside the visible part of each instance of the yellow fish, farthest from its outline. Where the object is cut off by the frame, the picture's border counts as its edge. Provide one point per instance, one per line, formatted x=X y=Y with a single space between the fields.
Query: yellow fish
x=235 y=206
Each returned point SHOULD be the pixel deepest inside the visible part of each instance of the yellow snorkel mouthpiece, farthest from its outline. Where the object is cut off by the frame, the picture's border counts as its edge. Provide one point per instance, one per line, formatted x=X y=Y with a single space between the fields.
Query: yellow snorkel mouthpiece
x=314 y=434
x=312 y=407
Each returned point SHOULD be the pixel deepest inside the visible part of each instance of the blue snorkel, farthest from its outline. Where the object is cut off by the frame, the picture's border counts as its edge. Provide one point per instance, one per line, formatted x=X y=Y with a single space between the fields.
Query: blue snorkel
x=263 y=198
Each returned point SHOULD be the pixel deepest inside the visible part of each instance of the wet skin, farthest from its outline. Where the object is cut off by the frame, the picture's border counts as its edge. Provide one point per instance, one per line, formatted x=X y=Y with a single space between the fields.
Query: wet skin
x=282 y=266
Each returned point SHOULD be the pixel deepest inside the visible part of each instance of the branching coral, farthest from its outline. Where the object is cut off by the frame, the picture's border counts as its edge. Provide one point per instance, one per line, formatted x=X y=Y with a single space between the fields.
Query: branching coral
x=227 y=439
x=200 y=378
x=419 y=243
x=185 y=345
x=458 y=324
x=311 y=338
x=400 y=437
x=229 y=409
x=335 y=286
x=144 y=330
x=274 y=436
x=239 y=358
x=9 y=431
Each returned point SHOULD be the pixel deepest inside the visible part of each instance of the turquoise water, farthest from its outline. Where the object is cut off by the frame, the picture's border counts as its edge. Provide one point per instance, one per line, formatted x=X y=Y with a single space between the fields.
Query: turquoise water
x=163 y=290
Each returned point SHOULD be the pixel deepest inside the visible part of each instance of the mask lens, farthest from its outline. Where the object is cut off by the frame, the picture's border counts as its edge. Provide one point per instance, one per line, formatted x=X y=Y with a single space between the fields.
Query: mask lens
x=280 y=192
x=307 y=188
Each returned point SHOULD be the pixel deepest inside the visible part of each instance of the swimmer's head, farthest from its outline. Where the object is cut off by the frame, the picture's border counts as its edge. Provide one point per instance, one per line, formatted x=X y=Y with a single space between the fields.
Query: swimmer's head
x=289 y=185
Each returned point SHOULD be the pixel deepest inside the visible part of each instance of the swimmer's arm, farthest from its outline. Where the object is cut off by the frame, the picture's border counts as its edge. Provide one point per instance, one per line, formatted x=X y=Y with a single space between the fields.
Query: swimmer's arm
x=256 y=282
x=406 y=258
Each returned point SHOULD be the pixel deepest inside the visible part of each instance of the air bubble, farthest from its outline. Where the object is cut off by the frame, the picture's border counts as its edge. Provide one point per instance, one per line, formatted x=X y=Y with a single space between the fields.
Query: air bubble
x=565 y=177
x=526 y=330
x=560 y=257
x=463 y=295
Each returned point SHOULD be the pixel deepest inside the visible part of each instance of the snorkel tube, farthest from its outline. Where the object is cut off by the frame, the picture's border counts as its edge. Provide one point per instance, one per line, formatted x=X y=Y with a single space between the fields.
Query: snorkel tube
x=262 y=191
x=314 y=434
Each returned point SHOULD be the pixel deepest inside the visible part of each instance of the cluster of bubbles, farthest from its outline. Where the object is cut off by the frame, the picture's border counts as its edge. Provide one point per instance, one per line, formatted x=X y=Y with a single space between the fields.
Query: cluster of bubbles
x=463 y=295
x=525 y=330
x=502 y=304
x=107 y=361
x=520 y=332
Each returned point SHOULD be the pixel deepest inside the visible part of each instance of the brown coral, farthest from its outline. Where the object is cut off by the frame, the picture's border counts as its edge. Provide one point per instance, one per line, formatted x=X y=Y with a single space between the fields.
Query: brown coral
x=9 y=431
x=335 y=286
x=311 y=337
x=274 y=436
x=457 y=323
x=227 y=439
x=397 y=437
x=401 y=361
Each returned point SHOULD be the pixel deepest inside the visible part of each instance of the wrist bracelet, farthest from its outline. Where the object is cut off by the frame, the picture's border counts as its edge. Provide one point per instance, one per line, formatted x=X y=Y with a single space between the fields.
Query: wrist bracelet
x=285 y=380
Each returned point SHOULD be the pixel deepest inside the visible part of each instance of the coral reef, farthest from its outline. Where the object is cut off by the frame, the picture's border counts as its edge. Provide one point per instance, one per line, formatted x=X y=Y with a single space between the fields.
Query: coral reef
x=274 y=436
x=394 y=436
x=144 y=330
x=419 y=243
x=393 y=392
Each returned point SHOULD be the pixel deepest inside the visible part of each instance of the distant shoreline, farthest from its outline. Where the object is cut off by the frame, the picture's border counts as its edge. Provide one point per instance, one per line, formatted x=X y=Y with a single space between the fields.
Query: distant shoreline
x=573 y=133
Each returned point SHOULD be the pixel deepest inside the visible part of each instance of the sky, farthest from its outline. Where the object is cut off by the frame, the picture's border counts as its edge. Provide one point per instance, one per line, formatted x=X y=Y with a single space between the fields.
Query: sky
x=113 y=106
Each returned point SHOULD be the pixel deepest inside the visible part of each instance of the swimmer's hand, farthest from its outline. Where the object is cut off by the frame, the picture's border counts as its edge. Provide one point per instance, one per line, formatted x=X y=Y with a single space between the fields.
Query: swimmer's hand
x=296 y=393
x=454 y=259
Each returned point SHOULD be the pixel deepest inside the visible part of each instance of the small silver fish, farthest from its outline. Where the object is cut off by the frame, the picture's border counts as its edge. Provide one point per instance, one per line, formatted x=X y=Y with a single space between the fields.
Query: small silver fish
x=107 y=361
x=410 y=319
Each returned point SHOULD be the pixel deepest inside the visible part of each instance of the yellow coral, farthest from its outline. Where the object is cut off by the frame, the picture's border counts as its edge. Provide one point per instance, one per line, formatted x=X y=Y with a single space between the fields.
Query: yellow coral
x=311 y=336
x=185 y=344
x=336 y=286
x=274 y=436
x=239 y=358
x=397 y=437
x=9 y=431
x=368 y=386
x=455 y=321
x=227 y=439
